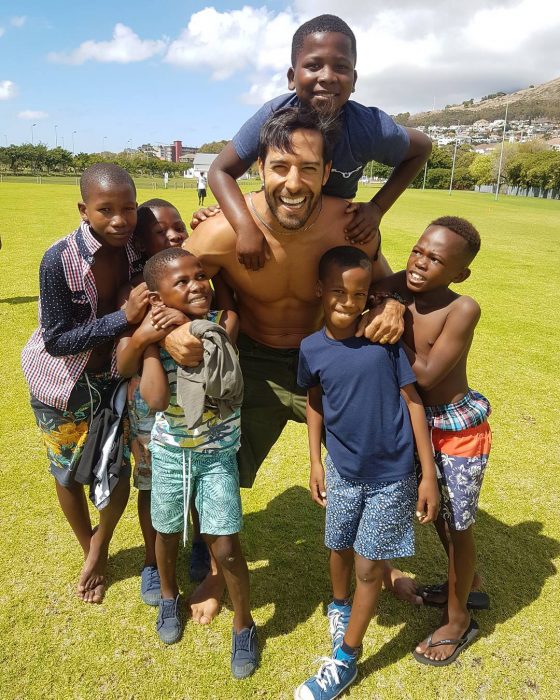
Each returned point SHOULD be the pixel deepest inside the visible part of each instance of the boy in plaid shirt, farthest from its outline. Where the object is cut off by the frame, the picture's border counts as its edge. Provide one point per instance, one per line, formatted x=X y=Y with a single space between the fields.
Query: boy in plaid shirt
x=439 y=328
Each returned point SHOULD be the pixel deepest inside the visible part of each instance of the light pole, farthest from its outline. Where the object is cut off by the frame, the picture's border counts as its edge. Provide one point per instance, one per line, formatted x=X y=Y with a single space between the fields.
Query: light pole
x=501 y=153
x=73 y=149
x=55 y=136
x=129 y=146
x=104 y=142
x=454 y=157
x=32 y=141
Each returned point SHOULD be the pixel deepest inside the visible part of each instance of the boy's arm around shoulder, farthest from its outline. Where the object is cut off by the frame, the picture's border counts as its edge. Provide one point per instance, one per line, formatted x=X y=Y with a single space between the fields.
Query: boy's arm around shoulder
x=154 y=387
x=451 y=344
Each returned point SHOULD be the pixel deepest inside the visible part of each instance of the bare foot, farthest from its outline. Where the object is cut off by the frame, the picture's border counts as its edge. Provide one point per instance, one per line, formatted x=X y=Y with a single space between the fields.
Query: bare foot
x=447 y=631
x=91 y=585
x=401 y=586
x=205 y=601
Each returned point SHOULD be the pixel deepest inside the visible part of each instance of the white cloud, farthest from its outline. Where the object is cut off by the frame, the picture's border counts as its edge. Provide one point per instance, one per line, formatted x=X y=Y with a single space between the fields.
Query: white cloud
x=8 y=89
x=125 y=47
x=2 y=31
x=18 y=21
x=408 y=52
x=32 y=114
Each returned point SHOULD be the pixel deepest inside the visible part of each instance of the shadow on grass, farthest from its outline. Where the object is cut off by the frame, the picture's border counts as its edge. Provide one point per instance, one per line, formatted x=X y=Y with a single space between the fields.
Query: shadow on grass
x=19 y=300
x=512 y=580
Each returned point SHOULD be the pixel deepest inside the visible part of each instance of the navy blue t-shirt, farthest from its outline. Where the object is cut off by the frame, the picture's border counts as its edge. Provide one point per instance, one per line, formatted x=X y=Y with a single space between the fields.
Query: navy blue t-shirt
x=367 y=133
x=369 y=434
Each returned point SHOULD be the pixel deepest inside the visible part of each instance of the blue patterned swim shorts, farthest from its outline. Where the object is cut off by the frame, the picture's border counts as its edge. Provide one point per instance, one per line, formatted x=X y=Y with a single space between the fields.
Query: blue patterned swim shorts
x=213 y=479
x=376 y=520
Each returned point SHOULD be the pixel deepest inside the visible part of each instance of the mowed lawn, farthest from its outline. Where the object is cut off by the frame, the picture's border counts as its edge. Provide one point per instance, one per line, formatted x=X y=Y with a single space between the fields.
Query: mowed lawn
x=54 y=646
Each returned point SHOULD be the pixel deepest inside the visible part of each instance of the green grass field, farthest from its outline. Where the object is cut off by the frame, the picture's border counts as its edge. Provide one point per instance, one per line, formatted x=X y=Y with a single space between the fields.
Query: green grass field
x=54 y=646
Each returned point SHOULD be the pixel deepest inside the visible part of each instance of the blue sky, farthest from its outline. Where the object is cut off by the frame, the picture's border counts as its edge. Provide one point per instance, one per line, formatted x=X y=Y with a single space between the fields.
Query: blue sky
x=124 y=73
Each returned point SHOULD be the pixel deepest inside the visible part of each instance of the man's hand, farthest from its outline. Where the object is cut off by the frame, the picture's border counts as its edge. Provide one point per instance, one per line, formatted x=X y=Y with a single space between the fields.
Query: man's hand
x=163 y=317
x=251 y=248
x=135 y=307
x=183 y=347
x=427 y=506
x=203 y=214
x=384 y=323
x=365 y=224
x=317 y=484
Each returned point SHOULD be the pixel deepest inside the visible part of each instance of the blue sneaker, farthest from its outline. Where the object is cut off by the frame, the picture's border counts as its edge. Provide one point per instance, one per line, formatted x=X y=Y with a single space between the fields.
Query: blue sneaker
x=332 y=679
x=244 y=652
x=339 y=617
x=168 y=624
x=150 y=585
x=199 y=564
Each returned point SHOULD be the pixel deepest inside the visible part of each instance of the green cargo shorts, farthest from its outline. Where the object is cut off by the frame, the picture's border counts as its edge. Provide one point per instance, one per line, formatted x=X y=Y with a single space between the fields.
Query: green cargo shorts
x=271 y=398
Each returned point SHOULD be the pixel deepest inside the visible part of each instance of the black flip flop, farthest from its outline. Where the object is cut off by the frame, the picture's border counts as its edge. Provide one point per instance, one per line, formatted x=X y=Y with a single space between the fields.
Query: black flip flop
x=477 y=600
x=461 y=645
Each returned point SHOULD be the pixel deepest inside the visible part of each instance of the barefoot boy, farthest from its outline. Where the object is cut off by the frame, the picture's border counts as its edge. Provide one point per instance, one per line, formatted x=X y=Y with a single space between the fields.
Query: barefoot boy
x=199 y=456
x=364 y=395
x=69 y=361
x=439 y=328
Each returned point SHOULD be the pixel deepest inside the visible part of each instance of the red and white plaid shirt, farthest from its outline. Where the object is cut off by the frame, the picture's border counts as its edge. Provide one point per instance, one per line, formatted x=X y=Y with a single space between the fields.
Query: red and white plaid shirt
x=58 y=351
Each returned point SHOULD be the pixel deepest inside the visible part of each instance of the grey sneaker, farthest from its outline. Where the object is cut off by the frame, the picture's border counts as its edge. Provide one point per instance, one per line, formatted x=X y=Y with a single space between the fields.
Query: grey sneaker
x=150 y=585
x=168 y=624
x=244 y=652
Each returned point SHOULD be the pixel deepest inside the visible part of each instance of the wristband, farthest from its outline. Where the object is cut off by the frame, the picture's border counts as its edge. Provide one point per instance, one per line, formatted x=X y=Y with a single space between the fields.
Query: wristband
x=377 y=297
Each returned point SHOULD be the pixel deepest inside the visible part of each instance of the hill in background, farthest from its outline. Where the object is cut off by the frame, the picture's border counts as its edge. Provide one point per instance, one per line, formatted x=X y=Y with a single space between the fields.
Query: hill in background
x=536 y=102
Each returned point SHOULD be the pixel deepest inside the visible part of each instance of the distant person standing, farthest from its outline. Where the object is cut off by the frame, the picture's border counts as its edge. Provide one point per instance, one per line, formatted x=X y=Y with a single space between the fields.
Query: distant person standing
x=201 y=187
x=165 y=179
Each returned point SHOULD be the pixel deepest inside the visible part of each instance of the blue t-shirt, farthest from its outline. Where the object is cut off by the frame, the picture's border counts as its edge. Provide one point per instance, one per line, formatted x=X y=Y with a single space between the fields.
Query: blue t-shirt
x=369 y=434
x=366 y=133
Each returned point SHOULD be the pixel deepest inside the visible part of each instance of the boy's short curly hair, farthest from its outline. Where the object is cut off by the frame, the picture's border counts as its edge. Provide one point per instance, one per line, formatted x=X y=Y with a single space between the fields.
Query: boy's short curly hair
x=104 y=175
x=157 y=203
x=156 y=266
x=321 y=25
x=462 y=228
x=345 y=257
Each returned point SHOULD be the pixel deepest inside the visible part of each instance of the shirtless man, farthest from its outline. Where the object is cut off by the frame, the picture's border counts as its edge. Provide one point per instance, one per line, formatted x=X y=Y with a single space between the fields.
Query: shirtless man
x=279 y=306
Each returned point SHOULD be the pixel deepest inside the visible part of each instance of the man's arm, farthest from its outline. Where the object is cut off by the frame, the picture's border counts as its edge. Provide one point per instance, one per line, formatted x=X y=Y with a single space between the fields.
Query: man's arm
x=368 y=215
x=449 y=347
x=314 y=415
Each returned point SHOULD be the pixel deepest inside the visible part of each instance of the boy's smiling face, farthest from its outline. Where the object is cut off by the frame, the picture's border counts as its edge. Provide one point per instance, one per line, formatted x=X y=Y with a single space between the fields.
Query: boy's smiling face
x=324 y=75
x=111 y=213
x=184 y=287
x=344 y=293
x=439 y=258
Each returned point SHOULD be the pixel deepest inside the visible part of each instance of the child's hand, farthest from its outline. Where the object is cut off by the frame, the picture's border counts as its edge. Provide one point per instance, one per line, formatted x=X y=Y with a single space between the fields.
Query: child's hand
x=148 y=334
x=137 y=303
x=317 y=484
x=163 y=318
x=252 y=248
x=203 y=214
x=427 y=507
x=365 y=224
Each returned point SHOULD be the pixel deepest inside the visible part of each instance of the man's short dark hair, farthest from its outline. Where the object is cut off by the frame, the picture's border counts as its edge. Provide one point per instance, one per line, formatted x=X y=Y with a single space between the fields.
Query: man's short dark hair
x=157 y=203
x=104 y=175
x=321 y=25
x=344 y=257
x=462 y=228
x=278 y=129
x=156 y=266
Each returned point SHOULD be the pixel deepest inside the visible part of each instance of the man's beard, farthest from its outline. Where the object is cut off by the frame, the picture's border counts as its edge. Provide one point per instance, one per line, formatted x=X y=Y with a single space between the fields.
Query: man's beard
x=296 y=220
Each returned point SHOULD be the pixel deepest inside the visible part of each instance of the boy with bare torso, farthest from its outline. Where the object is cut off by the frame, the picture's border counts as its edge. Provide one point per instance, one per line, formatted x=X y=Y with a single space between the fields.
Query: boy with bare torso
x=439 y=328
x=69 y=361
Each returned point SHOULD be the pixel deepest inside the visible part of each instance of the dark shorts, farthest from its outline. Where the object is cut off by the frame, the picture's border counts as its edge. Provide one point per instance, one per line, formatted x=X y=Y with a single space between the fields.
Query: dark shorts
x=64 y=432
x=271 y=398
x=202 y=193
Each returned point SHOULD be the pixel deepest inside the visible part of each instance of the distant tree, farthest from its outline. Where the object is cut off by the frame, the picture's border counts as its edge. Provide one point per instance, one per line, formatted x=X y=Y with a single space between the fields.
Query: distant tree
x=58 y=160
x=213 y=146
x=481 y=170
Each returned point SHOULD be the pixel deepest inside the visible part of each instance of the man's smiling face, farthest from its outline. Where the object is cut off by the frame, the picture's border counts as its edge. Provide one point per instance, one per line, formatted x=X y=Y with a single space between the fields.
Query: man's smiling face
x=293 y=181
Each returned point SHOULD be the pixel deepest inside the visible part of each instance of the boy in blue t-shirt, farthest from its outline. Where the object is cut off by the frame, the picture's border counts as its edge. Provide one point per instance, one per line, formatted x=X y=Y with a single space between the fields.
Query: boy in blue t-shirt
x=364 y=395
x=323 y=77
